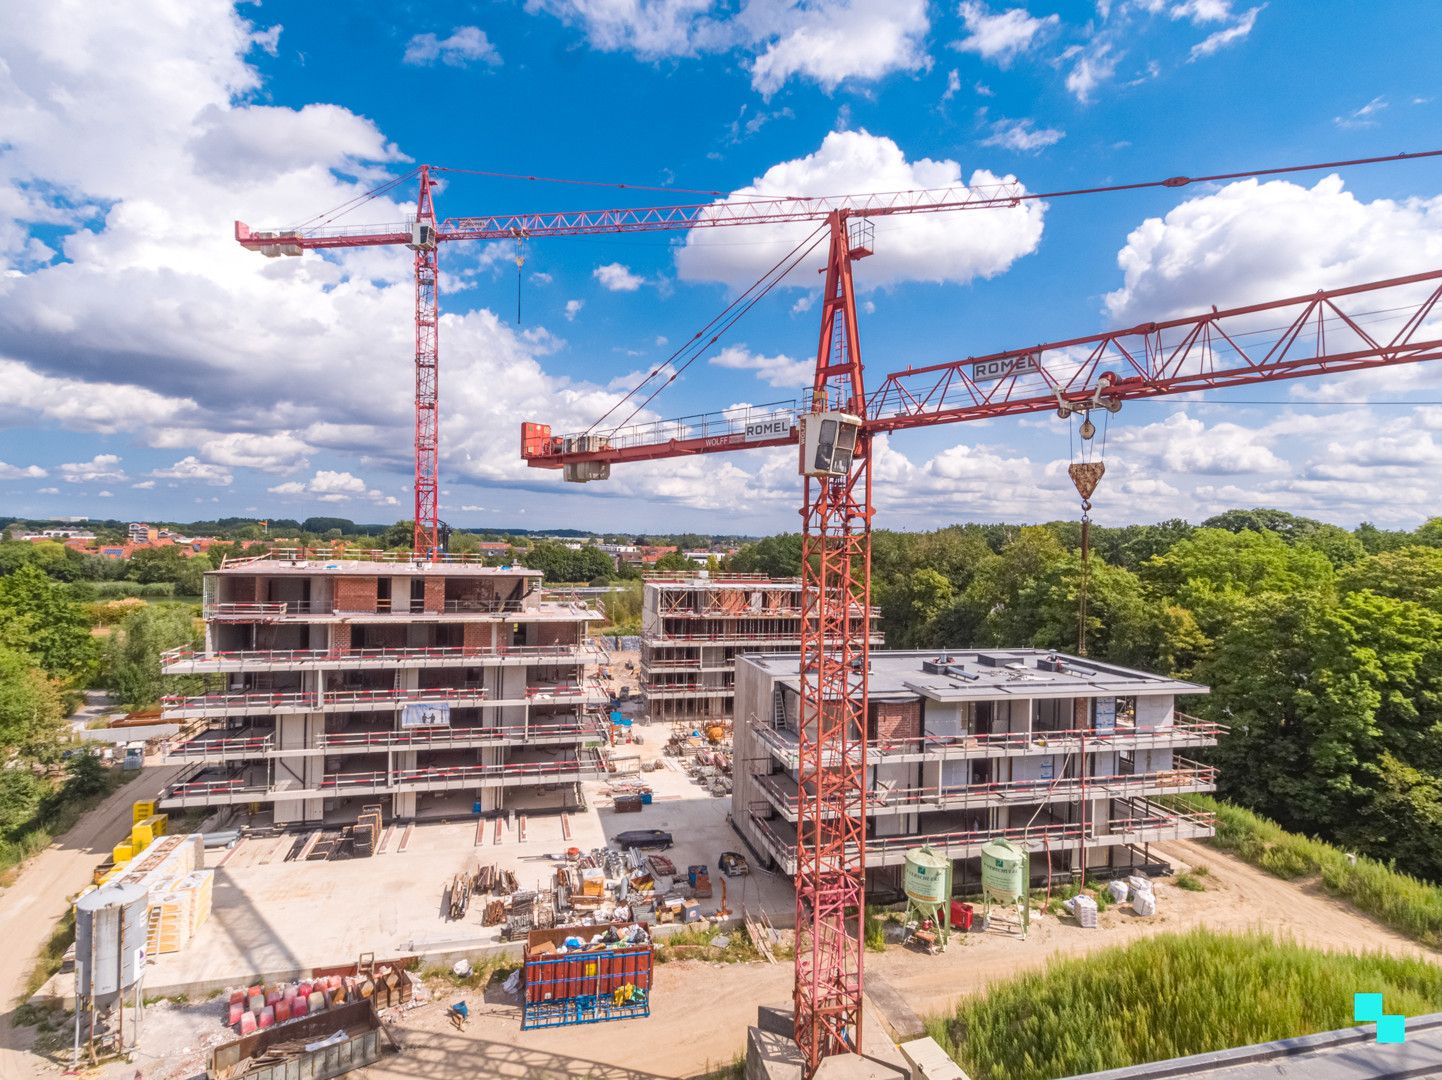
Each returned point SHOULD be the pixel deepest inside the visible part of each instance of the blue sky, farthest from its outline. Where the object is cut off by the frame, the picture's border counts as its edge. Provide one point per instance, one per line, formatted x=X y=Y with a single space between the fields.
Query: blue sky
x=151 y=368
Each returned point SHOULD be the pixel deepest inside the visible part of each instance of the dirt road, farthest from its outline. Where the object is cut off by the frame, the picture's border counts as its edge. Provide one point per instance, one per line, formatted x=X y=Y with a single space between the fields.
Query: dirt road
x=700 y=1011
x=30 y=908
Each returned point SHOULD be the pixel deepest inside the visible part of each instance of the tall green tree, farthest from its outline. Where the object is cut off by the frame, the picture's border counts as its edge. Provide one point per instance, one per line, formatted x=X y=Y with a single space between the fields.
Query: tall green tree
x=37 y=617
x=131 y=667
x=31 y=704
x=1213 y=572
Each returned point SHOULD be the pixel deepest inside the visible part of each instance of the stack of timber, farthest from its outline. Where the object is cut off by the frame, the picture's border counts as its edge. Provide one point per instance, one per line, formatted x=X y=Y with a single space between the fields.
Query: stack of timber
x=367 y=832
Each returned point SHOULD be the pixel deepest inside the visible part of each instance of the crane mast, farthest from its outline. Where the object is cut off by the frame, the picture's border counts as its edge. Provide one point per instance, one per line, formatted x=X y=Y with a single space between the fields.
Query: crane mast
x=835 y=664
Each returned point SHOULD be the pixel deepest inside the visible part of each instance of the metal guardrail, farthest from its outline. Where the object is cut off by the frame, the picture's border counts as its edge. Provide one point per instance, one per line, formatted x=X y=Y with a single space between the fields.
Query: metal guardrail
x=586 y=764
x=274 y=609
x=378 y=657
x=1097 y=739
x=964 y=843
x=1118 y=785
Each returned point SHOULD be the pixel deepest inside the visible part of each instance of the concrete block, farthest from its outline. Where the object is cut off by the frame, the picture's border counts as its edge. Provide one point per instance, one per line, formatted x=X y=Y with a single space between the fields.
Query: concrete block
x=928 y=1061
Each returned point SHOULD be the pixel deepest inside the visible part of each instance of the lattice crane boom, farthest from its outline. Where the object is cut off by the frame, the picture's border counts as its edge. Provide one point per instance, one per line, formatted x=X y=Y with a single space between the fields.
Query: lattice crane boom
x=1319 y=333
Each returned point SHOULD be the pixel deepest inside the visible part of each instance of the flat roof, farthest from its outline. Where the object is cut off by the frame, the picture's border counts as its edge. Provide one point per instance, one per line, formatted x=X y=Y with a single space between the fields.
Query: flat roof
x=1346 y=1054
x=988 y=674
x=369 y=568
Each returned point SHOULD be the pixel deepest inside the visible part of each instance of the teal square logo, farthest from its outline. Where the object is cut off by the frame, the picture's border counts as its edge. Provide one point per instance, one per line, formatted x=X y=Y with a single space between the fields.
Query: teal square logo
x=1367 y=1009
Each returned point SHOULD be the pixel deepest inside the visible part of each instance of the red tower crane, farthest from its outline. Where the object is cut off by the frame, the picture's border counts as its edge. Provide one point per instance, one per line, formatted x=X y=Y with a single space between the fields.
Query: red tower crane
x=835 y=427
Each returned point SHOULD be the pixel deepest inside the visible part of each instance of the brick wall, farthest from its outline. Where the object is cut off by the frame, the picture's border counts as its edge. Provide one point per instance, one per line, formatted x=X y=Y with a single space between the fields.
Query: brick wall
x=355 y=593
x=435 y=594
x=897 y=720
x=476 y=637
x=557 y=633
x=340 y=639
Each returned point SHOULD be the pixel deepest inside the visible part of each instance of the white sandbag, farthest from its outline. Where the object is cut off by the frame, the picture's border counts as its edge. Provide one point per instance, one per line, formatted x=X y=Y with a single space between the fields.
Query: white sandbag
x=1144 y=903
x=1118 y=891
x=1139 y=883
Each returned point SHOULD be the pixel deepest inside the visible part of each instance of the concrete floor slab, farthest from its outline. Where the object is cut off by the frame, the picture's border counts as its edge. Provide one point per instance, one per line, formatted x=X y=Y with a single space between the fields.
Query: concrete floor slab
x=272 y=918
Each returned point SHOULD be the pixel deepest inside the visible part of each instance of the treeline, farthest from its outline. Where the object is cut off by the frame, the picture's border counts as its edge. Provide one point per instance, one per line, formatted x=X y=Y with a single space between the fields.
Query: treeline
x=1322 y=646
x=48 y=654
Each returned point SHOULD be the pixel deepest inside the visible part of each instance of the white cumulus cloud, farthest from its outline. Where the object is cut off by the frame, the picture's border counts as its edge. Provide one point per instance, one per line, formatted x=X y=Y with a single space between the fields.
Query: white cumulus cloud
x=1251 y=241
x=779 y=371
x=102 y=467
x=464 y=45
x=21 y=472
x=1001 y=36
x=955 y=247
x=825 y=41
x=1022 y=136
x=617 y=277
x=192 y=468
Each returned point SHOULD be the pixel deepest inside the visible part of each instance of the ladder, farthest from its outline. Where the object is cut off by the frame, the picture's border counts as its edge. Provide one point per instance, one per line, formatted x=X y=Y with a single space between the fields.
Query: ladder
x=778 y=719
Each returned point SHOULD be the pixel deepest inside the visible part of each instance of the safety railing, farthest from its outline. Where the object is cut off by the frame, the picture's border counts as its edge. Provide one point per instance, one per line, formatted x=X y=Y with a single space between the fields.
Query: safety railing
x=1187 y=774
x=260 y=610
x=538 y=771
x=1155 y=822
x=245 y=745
x=1183 y=729
x=325 y=554
x=185 y=655
x=436 y=736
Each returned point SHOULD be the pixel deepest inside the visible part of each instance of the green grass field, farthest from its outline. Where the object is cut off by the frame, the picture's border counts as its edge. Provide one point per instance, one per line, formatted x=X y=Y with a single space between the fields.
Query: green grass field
x=1170 y=996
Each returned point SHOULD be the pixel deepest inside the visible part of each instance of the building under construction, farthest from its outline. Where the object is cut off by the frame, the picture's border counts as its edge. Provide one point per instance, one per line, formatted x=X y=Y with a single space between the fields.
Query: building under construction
x=694 y=625
x=431 y=688
x=1066 y=756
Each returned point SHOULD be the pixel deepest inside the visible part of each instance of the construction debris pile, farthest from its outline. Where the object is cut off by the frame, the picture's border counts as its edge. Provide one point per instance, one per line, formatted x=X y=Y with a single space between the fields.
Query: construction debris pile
x=253 y=1008
x=607 y=886
x=712 y=770
x=628 y=796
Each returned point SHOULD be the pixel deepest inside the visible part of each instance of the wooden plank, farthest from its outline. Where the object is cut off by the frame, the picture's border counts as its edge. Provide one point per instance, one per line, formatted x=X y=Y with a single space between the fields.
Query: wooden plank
x=565 y=826
x=406 y=837
x=385 y=839
x=498 y=831
x=310 y=844
x=480 y=831
x=900 y=1018
x=521 y=827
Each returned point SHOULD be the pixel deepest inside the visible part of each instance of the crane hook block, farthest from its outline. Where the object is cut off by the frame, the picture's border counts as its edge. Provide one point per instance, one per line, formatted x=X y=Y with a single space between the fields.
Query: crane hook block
x=1086 y=475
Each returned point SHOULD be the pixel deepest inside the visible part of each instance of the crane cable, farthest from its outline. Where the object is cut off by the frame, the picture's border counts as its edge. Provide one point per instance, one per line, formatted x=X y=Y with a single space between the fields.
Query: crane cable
x=1085 y=474
x=801 y=251
x=746 y=300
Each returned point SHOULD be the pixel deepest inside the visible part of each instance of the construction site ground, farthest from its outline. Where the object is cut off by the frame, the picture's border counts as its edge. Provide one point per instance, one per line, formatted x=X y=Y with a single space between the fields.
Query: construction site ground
x=700 y=1010
x=271 y=917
